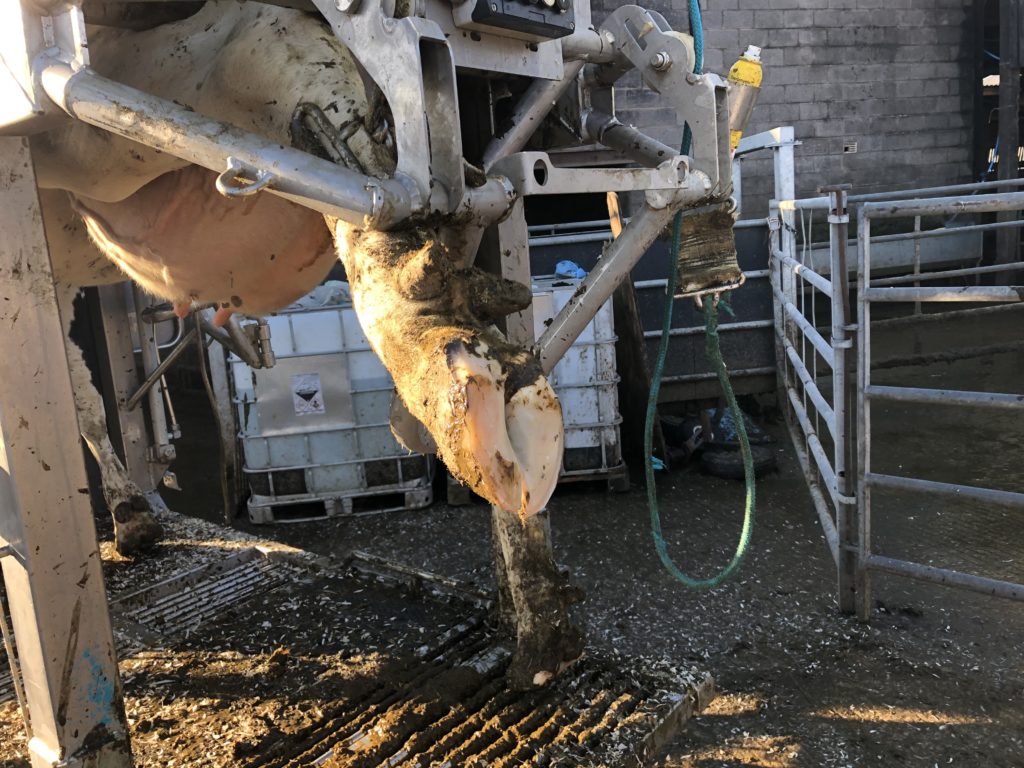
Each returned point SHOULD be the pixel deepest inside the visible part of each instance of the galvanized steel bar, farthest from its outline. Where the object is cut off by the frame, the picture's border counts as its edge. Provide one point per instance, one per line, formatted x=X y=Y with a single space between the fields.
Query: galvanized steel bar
x=943 y=396
x=699 y=329
x=948 y=231
x=687 y=378
x=626 y=139
x=162 y=451
x=622 y=254
x=821 y=459
x=986 y=586
x=864 y=603
x=954 y=490
x=966 y=271
x=906 y=194
x=822 y=346
x=916 y=195
x=810 y=387
x=752 y=274
x=1006 y=201
x=171 y=128
x=790 y=205
x=843 y=399
x=821 y=505
x=53 y=578
x=979 y=293
x=158 y=372
x=805 y=272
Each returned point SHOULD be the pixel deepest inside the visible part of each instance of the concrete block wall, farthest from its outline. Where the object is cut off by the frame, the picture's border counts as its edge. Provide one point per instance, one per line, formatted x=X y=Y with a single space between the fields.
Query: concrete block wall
x=893 y=76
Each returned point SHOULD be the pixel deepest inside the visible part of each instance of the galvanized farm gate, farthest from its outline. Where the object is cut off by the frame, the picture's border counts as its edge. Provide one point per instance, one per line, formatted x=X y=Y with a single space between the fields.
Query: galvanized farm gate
x=826 y=382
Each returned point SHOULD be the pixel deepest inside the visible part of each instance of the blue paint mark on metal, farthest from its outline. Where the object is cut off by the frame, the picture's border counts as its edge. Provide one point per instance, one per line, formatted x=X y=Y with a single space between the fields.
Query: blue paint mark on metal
x=100 y=691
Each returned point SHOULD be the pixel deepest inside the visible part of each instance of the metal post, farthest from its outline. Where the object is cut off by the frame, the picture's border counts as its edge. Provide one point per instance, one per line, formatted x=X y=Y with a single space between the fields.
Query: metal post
x=863 y=414
x=127 y=425
x=1008 y=240
x=161 y=451
x=227 y=423
x=917 y=260
x=785 y=190
x=843 y=399
x=513 y=245
x=54 y=581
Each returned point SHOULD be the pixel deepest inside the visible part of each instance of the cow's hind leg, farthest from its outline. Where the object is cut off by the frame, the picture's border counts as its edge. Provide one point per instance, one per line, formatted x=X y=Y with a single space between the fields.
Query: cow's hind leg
x=534 y=599
x=135 y=527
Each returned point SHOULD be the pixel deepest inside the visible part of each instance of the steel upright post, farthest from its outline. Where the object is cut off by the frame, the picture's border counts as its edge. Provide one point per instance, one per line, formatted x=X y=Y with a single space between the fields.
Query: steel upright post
x=843 y=399
x=863 y=414
x=52 y=574
x=1008 y=240
x=130 y=425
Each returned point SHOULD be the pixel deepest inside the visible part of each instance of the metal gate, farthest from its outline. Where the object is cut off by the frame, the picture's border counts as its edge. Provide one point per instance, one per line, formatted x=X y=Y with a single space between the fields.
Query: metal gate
x=815 y=371
x=827 y=382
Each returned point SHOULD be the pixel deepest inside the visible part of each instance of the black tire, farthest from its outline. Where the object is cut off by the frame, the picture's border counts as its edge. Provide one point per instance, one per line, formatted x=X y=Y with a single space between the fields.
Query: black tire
x=729 y=464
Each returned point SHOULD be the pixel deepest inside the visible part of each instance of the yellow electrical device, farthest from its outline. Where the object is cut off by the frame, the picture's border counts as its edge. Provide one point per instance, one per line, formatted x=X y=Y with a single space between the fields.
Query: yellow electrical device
x=744 y=87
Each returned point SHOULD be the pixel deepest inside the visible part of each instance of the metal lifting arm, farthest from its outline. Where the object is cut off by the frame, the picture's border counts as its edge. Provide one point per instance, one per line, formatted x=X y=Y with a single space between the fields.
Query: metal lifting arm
x=289 y=173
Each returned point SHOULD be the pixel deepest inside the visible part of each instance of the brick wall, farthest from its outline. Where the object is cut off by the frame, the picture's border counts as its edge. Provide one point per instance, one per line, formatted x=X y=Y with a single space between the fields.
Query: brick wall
x=894 y=76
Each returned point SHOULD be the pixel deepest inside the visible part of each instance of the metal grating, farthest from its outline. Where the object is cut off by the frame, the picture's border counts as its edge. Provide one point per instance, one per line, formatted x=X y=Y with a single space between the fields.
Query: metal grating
x=453 y=710
x=6 y=684
x=402 y=667
x=183 y=603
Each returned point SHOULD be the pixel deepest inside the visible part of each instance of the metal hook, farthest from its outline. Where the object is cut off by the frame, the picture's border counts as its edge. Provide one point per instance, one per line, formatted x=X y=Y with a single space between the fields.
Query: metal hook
x=227 y=182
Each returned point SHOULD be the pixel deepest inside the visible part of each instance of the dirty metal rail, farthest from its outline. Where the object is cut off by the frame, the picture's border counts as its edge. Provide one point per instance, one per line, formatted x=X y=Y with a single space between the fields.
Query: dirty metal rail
x=947 y=273
x=986 y=586
x=952 y=396
x=164 y=125
x=964 y=293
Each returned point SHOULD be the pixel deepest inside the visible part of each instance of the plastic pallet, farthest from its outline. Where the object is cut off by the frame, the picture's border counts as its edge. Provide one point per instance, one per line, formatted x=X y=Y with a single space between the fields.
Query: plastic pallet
x=353 y=505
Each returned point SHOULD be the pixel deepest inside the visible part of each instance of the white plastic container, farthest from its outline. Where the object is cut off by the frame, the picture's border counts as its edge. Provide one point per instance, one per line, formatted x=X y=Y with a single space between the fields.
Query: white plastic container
x=586 y=382
x=315 y=428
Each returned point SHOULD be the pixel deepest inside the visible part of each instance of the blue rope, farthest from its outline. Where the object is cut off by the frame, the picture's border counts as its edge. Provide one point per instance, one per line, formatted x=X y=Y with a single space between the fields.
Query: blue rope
x=714 y=352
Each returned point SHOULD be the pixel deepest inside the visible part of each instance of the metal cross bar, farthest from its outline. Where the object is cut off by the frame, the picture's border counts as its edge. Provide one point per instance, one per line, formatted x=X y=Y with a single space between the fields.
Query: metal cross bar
x=808 y=274
x=164 y=125
x=1007 y=201
x=950 y=396
x=901 y=279
x=1008 y=293
x=986 y=586
x=955 y=490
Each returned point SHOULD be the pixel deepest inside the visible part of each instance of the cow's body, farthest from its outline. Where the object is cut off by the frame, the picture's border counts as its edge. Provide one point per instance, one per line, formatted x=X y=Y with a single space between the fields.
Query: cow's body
x=490 y=411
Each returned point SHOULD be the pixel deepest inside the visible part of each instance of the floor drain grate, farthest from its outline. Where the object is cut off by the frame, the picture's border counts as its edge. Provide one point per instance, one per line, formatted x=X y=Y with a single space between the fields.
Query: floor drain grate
x=6 y=684
x=457 y=712
x=183 y=603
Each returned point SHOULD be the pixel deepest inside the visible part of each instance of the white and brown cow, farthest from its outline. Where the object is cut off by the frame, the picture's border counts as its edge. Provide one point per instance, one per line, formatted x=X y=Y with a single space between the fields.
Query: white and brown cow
x=488 y=408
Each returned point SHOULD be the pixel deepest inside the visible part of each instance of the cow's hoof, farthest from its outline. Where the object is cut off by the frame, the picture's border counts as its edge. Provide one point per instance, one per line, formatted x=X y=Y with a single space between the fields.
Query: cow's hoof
x=135 y=528
x=541 y=657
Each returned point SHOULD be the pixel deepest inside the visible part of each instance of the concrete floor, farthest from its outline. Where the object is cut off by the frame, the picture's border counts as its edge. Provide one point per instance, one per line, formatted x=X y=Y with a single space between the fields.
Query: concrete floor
x=936 y=678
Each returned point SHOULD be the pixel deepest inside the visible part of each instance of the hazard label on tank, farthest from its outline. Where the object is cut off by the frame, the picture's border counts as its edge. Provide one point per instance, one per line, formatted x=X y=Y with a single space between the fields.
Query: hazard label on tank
x=307 y=394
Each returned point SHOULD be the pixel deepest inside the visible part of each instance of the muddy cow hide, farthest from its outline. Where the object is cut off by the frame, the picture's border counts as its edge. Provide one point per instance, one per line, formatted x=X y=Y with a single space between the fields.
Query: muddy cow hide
x=489 y=411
